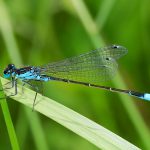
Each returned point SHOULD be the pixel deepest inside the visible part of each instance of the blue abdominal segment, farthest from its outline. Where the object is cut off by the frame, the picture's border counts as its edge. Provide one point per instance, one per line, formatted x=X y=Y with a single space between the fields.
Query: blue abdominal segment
x=146 y=96
x=44 y=78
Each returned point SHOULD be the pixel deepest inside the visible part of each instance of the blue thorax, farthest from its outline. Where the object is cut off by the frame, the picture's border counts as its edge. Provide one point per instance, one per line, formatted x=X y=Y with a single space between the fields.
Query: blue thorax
x=26 y=73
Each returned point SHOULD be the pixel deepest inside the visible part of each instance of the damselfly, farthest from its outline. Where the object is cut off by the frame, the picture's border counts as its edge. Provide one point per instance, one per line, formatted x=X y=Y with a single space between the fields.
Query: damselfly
x=88 y=69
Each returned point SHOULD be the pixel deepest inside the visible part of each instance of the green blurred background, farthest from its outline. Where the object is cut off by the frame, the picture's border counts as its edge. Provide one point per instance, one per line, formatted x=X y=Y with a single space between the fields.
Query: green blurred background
x=36 y=32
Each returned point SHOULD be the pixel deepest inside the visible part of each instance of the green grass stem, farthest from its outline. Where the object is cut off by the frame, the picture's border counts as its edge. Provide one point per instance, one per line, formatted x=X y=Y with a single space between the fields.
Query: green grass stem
x=75 y=122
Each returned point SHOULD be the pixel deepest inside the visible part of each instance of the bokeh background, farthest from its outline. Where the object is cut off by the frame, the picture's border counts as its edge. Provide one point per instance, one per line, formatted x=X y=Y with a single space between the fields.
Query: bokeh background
x=36 y=32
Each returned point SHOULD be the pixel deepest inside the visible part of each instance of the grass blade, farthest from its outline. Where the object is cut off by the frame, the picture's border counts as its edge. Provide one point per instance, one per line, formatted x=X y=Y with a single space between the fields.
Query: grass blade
x=87 y=21
x=104 y=12
x=77 y=123
x=9 y=124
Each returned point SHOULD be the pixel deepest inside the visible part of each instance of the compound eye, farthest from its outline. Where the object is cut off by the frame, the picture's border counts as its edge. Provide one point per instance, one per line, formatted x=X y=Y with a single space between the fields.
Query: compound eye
x=11 y=66
x=5 y=72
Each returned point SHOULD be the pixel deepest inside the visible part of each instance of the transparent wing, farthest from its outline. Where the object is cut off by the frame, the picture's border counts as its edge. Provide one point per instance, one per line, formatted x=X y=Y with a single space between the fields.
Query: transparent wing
x=92 y=67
